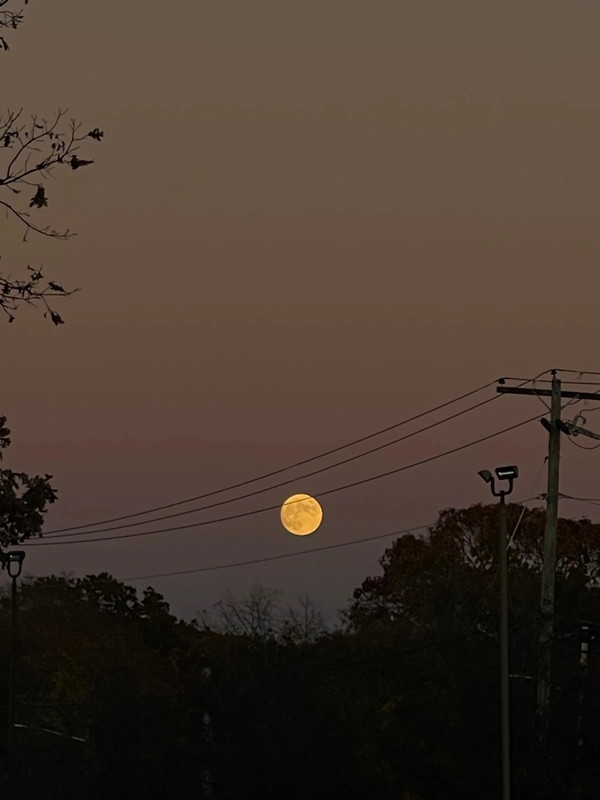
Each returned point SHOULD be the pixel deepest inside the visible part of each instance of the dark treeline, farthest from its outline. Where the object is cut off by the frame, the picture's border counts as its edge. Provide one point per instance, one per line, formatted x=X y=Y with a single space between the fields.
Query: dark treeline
x=115 y=697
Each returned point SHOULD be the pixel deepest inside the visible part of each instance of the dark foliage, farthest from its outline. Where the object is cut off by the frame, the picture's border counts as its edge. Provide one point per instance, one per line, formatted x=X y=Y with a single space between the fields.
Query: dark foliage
x=23 y=499
x=402 y=701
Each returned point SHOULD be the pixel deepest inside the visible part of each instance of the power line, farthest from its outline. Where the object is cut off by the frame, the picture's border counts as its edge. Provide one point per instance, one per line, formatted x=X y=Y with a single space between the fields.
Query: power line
x=256 y=492
x=592 y=500
x=573 y=371
x=292 y=555
x=577 y=371
x=290 y=466
x=265 y=559
x=582 y=446
x=580 y=383
x=272 y=508
x=278 y=557
x=534 y=484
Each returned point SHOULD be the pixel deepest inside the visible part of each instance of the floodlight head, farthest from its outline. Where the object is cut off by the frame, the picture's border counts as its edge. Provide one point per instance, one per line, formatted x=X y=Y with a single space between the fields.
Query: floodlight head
x=507 y=473
x=486 y=475
x=12 y=561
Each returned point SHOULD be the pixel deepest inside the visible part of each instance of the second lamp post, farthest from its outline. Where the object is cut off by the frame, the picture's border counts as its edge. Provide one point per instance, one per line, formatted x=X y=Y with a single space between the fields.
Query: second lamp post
x=504 y=474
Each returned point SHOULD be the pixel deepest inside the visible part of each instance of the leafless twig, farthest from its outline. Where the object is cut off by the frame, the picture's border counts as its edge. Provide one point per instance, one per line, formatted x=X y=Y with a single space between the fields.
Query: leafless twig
x=20 y=140
x=9 y=19
x=34 y=290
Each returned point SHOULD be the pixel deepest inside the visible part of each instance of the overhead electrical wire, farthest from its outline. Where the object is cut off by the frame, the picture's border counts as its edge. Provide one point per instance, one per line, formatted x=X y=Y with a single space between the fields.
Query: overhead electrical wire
x=270 y=488
x=583 y=446
x=576 y=371
x=581 y=383
x=79 y=529
x=274 y=472
x=308 y=551
x=549 y=380
x=295 y=464
x=280 y=556
x=595 y=501
x=524 y=510
x=277 y=506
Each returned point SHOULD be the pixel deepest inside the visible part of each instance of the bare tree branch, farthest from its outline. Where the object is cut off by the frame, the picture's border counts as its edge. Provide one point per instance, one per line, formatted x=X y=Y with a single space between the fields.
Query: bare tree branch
x=32 y=291
x=34 y=150
x=9 y=19
x=258 y=615
x=56 y=149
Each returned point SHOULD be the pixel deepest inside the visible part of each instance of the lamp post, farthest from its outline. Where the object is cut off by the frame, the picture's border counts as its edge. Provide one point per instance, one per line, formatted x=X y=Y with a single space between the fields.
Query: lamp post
x=508 y=474
x=12 y=562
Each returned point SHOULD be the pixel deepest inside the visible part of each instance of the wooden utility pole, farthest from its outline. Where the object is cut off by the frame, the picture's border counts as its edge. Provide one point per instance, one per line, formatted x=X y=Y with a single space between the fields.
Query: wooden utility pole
x=546 y=633
x=554 y=427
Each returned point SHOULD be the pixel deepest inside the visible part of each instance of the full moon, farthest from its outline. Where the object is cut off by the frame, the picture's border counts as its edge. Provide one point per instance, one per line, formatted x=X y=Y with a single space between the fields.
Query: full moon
x=301 y=514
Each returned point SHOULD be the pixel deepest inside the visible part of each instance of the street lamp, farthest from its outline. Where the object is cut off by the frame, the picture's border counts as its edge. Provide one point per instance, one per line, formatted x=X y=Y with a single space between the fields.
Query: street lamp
x=12 y=562
x=504 y=474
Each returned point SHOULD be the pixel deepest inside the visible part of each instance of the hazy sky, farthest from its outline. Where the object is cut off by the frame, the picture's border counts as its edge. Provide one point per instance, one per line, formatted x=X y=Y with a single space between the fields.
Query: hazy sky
x=306 y=222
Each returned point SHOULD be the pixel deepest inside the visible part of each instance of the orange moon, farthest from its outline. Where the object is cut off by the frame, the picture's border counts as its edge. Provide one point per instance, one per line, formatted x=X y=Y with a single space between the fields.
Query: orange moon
x=301 y=514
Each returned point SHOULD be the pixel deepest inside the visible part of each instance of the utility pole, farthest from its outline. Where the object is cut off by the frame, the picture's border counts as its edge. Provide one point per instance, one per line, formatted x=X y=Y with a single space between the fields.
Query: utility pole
x=554 y=427
x=546 y=633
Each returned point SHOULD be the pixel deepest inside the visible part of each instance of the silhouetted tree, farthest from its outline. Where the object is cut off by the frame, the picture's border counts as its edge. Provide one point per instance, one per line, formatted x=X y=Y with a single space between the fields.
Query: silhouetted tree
x=23 y=499
x=401 y=702
x=443 y=588
x=101 y=684
x=254 y=615
x=259 y=615
x=32 y=152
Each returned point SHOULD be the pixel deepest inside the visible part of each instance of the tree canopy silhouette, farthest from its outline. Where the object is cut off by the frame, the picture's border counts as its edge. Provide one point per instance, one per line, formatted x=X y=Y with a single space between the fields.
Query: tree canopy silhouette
x=444 y=588
x=23 y=499
x=401 y=701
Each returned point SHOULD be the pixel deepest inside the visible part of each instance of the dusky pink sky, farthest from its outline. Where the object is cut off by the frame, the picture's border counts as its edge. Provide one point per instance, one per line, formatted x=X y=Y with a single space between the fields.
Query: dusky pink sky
x=304 y=223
